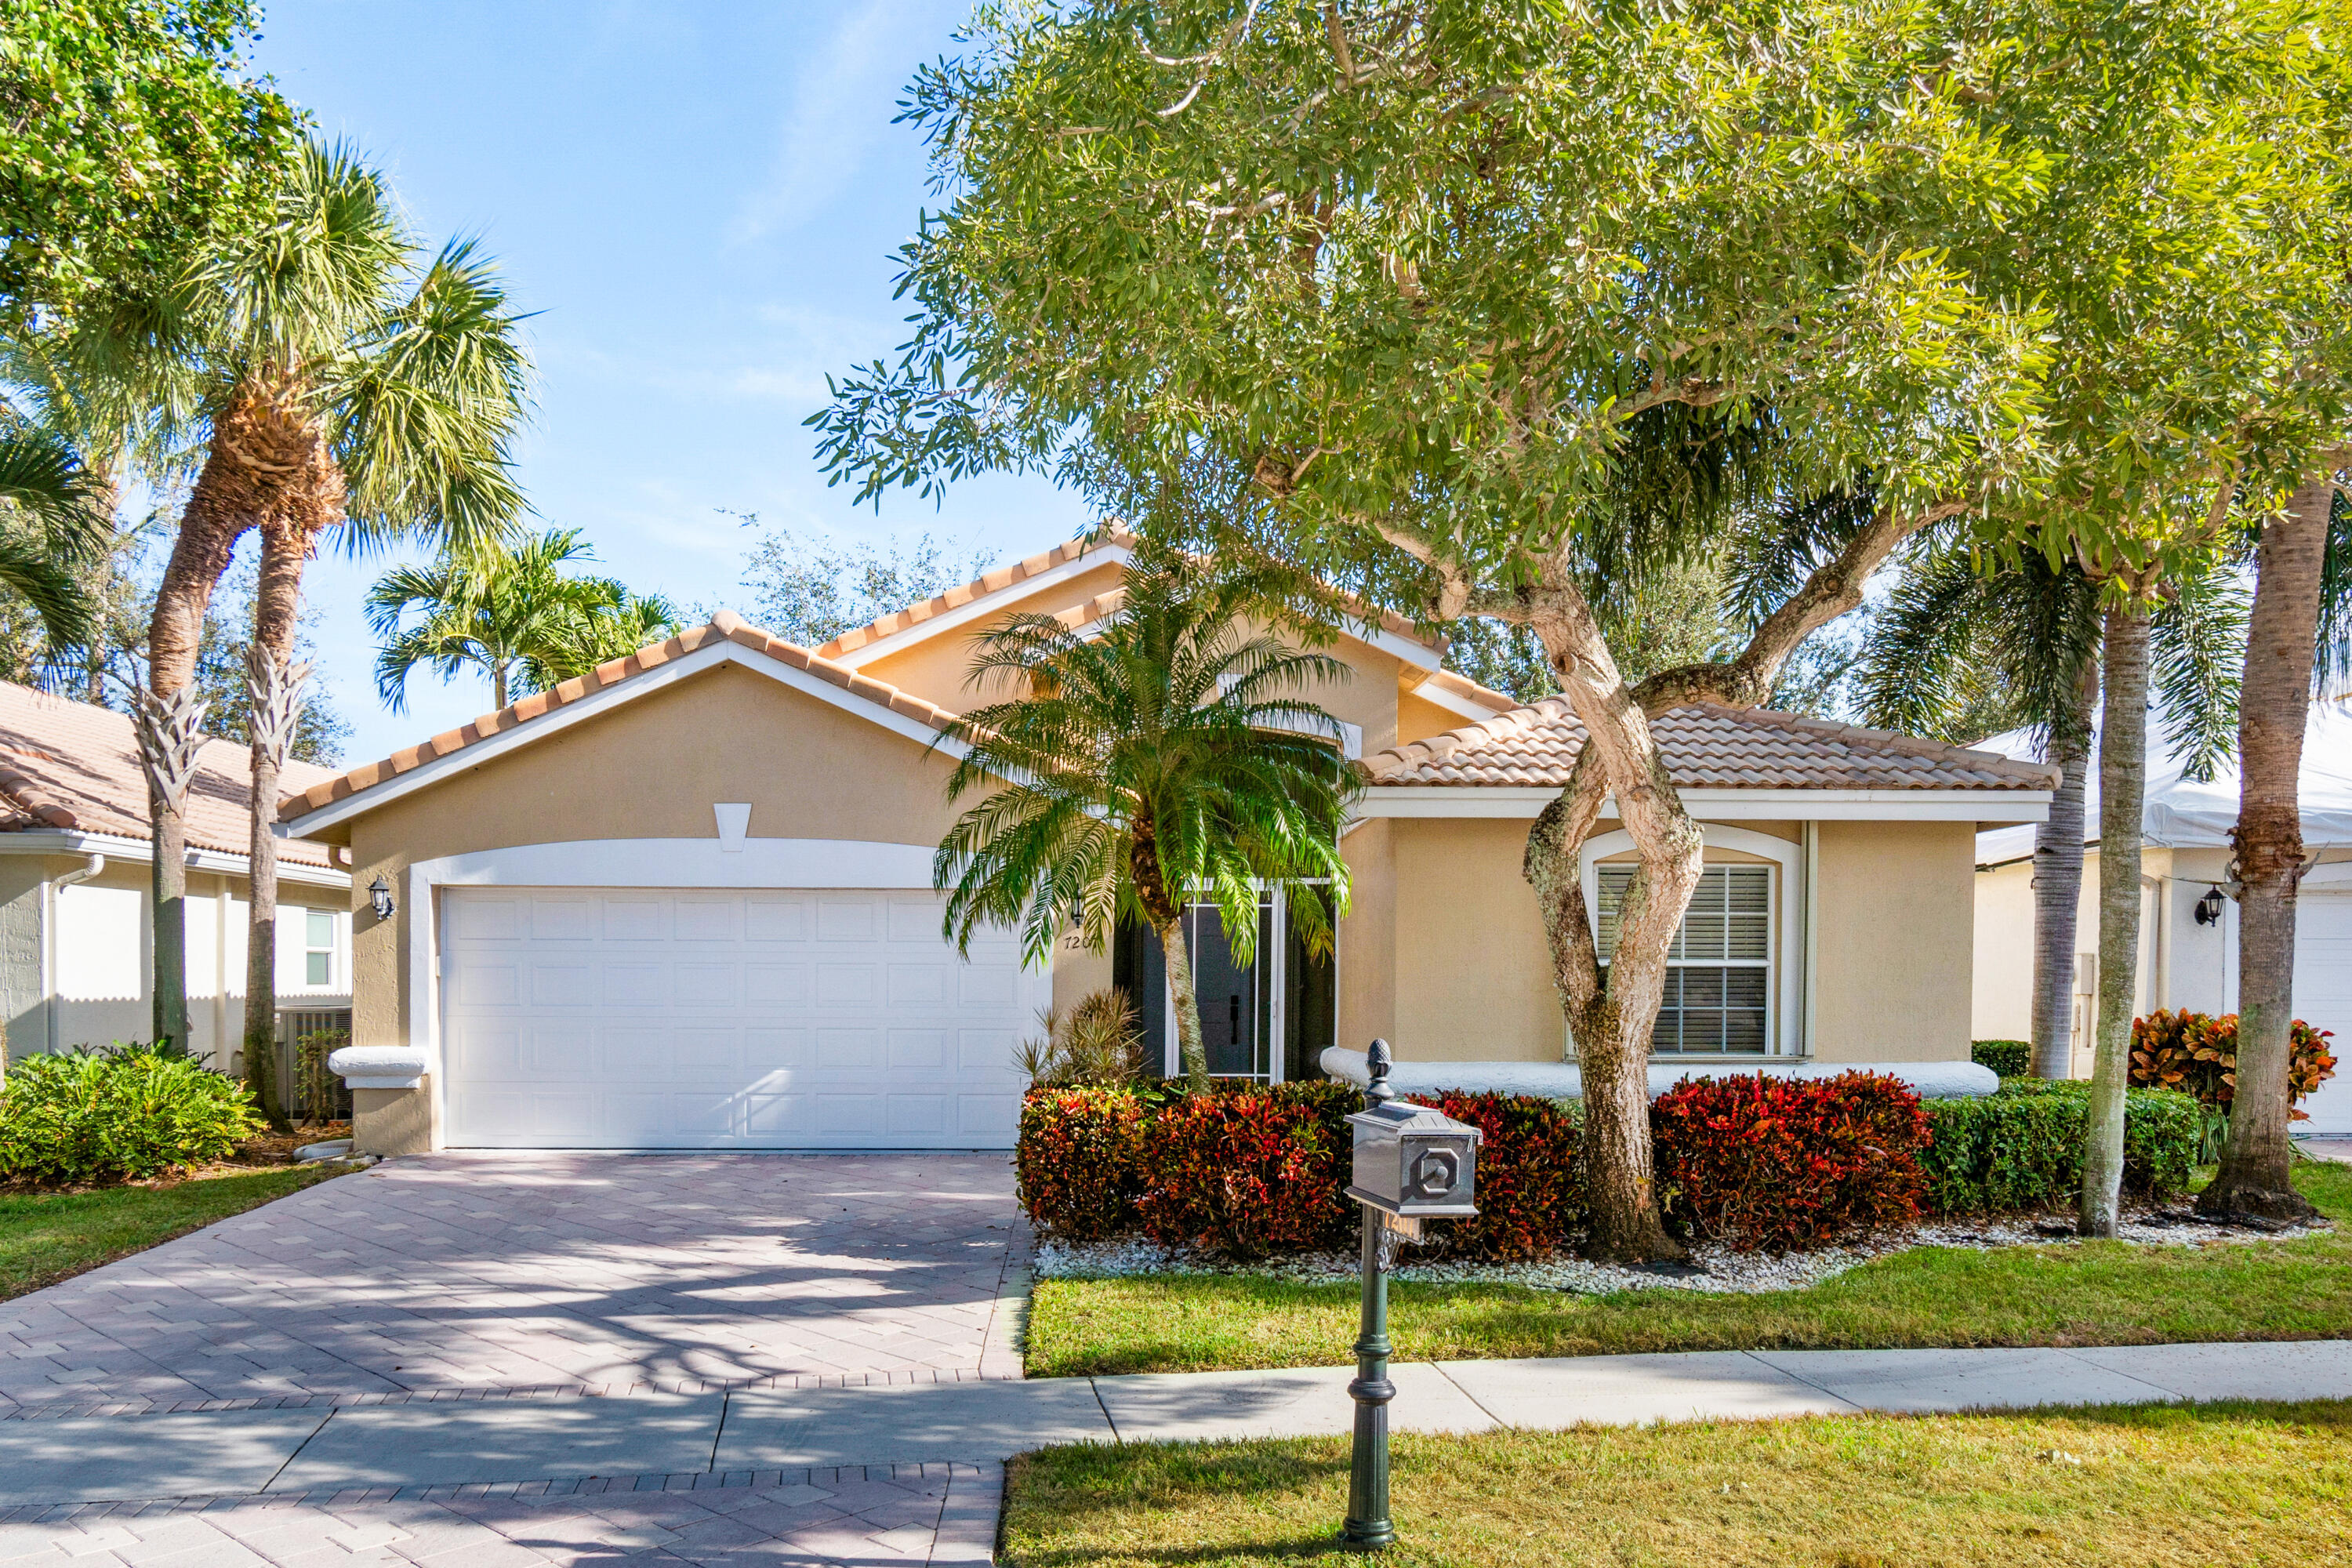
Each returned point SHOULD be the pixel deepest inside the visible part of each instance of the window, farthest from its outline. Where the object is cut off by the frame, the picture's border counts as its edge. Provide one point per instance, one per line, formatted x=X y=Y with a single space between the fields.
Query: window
x=1719 y=971
x=318 y=947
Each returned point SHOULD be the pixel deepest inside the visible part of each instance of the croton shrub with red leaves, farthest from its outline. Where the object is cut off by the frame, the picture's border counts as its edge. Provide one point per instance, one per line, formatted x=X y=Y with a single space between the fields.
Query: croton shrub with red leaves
x=1078 y=1166
x=1250 y=1171
x=1777 y=1163
x=1530 y=1179
x=2198 y=1054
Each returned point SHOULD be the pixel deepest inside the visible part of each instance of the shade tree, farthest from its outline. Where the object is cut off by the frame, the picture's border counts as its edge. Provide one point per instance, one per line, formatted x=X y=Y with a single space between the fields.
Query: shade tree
x=1451 y=283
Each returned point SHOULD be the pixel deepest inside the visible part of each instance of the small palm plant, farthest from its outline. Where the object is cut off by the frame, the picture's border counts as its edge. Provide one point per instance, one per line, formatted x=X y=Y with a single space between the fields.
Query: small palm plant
x=1167 y=756
x=514 y=614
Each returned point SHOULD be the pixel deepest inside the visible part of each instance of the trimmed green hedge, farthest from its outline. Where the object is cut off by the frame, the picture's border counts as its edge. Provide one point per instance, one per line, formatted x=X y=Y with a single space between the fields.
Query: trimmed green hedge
x=104 y=1116
x=2010 y=1059
x=2023 y=1148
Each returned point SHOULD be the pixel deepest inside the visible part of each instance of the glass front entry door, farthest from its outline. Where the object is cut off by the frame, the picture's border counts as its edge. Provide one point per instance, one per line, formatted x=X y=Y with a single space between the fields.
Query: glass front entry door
x=1269 y=1020
x=1233 y=997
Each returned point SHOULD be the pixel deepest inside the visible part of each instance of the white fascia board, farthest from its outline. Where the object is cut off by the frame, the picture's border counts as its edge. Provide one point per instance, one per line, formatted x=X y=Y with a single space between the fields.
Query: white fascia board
x=1089 y=560
x=710 y=655
x=1428 y=691
x=141 y=852
x=1404 y=650
x=1527 y=801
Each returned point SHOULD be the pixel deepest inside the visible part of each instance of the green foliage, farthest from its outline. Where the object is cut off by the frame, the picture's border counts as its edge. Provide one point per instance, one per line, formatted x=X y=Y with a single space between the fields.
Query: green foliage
x=102 y=1116
x=1168 y=748
x=809 y=592
x=1095 y=1043
x=2009 y=1059
x=131 y=128
x=2198 y=1054
x=2022 y=1149
x=513 y=614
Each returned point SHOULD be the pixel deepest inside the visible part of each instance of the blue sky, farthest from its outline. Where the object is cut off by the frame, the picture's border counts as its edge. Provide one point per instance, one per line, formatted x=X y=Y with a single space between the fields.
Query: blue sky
x=700 y=200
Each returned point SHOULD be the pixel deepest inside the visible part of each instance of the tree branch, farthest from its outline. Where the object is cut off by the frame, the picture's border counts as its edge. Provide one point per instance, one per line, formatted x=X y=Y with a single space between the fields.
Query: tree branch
x=1835 y=587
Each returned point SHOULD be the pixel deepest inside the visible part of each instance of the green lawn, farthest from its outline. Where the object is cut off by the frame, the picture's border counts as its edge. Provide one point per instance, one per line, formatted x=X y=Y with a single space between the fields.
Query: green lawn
x=2171 y=1486
x=46 y=1238
x=2096 y=1293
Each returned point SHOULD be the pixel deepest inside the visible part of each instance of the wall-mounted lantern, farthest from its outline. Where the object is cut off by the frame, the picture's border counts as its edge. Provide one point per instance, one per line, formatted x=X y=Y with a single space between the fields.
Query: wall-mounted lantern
x=380 y=898
x=2208 y=908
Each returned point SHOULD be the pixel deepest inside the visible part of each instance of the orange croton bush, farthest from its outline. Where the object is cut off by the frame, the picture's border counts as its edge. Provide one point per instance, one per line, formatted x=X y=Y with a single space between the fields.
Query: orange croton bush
x=2198 y=1053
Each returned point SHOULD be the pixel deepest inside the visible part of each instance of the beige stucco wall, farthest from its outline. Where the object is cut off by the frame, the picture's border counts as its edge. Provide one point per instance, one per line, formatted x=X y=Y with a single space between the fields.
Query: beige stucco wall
x=1365 y=971
x=1457 y=965
x=651 y=768
x=934 y=668
x=2181 y=963
x=1896 y=935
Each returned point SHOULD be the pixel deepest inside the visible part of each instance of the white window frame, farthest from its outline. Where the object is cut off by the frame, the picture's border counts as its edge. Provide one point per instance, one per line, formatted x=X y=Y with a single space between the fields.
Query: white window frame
x=333 y=950
x=1782 y=1034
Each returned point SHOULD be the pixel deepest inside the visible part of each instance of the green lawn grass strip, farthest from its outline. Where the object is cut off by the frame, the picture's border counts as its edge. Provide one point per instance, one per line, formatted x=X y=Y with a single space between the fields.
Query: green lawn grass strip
x=2095 y=1293
x=2168 y=1486
x=46 y=1238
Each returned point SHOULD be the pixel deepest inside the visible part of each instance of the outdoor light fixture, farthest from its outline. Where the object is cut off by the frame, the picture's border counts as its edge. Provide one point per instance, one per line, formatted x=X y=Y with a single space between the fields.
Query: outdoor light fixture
x=379 y=899
x=1412 y=1162
x=2208 y=908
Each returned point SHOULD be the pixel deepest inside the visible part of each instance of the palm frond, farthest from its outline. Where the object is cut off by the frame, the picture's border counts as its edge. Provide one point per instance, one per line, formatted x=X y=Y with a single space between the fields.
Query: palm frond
x=2197 y=646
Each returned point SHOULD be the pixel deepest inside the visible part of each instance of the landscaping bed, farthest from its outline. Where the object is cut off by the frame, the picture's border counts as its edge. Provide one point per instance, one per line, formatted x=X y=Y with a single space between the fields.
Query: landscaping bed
x=2054 y=1293
x=2165 y=1486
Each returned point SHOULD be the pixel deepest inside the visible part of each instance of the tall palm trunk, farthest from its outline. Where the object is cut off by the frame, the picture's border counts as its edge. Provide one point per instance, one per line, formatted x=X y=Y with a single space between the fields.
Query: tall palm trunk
x=2123 y=783
x=263 y=442
x=276 y=691
x=2281 y=644
x=2058 y=885
x=1191 y=1050
x=1167 y=914
x=170 y=724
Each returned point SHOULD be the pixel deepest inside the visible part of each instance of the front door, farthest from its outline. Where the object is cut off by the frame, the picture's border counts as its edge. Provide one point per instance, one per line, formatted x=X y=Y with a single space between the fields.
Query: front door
x=1268 y=1020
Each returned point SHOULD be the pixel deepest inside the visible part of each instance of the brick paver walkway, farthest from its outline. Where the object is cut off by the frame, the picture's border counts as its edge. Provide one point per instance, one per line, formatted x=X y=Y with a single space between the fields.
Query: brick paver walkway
x=876 y=1515
x=494 y=1272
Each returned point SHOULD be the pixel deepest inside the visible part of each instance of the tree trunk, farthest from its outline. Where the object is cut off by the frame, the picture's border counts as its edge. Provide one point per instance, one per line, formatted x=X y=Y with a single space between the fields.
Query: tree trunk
x=2058 y=886
x=1610 y=1012
x=2123 y=783
x=266 y=446
x=498 y=686
x=1190 y=1050
x=276 y=706
x=2272 y=709
x=209 y=530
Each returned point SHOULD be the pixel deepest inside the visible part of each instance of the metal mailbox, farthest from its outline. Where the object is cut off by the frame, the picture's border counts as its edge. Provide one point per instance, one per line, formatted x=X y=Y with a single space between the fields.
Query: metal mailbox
x=1415 y=1162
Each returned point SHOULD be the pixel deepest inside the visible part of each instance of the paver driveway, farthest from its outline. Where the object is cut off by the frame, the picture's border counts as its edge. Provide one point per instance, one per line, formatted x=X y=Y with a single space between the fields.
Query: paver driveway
x=489 y=1273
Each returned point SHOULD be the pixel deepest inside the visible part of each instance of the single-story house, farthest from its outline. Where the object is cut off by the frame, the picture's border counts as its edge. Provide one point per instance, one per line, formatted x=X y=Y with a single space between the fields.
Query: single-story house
x=686 y=900
x=2188 y=925
x=76 y=868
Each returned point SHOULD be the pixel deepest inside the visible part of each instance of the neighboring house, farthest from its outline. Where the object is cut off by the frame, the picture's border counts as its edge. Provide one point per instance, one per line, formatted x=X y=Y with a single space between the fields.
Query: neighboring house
x=686 y=900
x=2187 y=941
x=76 y=871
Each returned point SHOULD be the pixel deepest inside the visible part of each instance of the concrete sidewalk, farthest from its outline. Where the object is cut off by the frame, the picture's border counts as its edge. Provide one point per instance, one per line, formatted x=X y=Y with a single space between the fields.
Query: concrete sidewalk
x=553 y=1445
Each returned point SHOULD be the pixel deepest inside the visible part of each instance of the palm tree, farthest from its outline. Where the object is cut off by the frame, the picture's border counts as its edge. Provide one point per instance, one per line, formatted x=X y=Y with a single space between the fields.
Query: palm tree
x=52 y=522
x=341 y=380
x=1959 y=651
x=1167 y=756
x=2303 y=607
x=512 y=613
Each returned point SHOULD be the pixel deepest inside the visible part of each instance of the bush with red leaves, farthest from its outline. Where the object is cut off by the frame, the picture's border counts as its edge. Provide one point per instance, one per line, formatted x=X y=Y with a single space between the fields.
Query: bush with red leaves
x=1531 y=1182
x=1250 y=1171
x=1077 y=1166
x=1776 y=1164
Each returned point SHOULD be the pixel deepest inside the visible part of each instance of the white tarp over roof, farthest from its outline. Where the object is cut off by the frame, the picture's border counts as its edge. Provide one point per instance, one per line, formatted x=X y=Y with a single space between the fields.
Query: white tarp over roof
x=2187 y=815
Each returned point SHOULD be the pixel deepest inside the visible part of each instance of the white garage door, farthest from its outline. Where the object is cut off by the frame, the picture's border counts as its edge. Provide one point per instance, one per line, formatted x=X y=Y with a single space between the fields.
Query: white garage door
x=647 y=1018
x=2323 y=998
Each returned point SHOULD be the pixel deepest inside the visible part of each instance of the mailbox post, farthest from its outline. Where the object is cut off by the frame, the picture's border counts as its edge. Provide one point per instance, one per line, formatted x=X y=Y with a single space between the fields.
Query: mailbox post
x=1411 y=1162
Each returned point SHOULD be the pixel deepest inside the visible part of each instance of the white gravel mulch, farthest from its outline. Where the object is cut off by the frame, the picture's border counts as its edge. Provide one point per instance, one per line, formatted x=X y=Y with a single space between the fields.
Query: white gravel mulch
x=1712 y=1268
